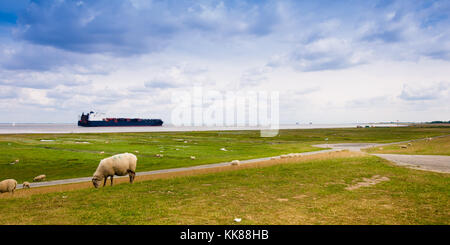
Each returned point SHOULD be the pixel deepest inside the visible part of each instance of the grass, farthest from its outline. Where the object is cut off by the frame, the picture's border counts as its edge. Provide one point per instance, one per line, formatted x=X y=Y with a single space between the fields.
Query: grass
x=311 y=191
x=68 y=157
x=436 y=146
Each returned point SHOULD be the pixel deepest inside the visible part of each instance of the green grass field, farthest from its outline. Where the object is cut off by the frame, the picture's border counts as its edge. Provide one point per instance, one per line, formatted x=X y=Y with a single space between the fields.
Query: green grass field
x=311 y=192
x=68 y=157
x=437 y=146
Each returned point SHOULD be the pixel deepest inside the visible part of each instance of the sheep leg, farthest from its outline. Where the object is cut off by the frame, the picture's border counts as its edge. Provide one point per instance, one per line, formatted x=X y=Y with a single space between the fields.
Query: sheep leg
x=132 y=175
x=112 y=180
x=104 y=181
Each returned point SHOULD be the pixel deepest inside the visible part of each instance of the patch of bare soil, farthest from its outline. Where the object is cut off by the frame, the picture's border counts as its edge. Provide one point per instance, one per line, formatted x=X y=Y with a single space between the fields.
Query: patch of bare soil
x=368 y=182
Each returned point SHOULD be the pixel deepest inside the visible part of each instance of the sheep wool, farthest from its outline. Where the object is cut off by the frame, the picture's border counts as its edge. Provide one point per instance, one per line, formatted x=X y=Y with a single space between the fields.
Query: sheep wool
x=8 y=185
x=26 y=185
x=120 y=164
x=39 y=178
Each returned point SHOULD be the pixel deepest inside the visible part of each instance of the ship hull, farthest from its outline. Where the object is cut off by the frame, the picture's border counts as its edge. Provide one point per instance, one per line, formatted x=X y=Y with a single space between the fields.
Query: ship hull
x=149 y=122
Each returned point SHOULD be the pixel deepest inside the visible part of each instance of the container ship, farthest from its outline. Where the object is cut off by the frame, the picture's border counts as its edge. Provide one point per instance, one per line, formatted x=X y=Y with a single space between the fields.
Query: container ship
x=93 y=119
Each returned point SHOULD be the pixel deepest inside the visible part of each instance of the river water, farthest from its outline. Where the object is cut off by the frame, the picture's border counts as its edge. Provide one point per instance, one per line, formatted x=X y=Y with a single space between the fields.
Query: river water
x=34 y=128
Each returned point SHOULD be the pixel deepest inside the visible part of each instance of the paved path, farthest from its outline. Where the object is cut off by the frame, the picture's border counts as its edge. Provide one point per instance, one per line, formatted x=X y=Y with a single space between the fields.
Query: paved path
x=172 y=170
x=424 y=162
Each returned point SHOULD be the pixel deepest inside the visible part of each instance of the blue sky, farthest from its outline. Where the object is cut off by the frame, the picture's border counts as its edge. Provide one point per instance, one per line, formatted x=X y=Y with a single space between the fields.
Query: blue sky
x=331 y=61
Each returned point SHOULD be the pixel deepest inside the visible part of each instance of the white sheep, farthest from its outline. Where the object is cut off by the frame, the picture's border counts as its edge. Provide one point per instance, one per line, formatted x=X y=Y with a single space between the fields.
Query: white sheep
x=39 y=178
x=120 y=164
x=235 y=162
x=193 y=157
x=8 y=185
x=26 y=185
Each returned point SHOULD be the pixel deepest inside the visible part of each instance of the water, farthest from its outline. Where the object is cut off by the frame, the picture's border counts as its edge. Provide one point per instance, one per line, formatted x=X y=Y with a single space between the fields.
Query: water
x=35 y=128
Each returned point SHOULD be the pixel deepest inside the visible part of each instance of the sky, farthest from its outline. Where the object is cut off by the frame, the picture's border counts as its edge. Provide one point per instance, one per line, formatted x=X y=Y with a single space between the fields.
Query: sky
x=331 y=61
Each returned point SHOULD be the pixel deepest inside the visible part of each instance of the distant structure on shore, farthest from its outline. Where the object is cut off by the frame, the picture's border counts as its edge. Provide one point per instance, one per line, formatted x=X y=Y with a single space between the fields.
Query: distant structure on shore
x=93 y=119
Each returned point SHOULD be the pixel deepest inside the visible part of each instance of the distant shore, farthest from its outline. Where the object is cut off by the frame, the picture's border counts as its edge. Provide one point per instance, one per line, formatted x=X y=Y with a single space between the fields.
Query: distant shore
x=61 y=128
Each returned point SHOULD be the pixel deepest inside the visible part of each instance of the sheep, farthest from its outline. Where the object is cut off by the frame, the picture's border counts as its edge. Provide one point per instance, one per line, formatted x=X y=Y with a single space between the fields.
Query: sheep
x=39 y=178
x=159 y=155
x=26 y=185
x=403 y=146
x=8 y=185
x=235 y=162
x=16 y=161
x=120 y=164
x=193 y=157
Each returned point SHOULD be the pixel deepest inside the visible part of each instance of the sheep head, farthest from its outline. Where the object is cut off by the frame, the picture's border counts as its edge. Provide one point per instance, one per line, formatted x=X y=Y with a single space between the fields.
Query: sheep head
x=96 y=181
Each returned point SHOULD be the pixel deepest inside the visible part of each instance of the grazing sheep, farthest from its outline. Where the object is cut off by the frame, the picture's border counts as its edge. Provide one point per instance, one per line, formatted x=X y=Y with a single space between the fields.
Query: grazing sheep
x=235 y=162
x=120 y=164
x=159 y=155
x=193 y=157
x=16 y=161
x=102 y=152
x=284 y=156
x=39 y=178
x=26 y=185
x=8 y=185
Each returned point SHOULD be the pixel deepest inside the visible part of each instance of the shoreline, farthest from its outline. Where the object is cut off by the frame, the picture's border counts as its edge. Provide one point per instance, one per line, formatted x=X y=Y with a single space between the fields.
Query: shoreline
x=53 y=128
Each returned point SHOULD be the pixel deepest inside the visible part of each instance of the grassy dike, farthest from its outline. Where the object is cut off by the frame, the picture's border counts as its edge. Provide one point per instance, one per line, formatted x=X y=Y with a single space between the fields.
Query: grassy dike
x=436 y=146
x=307 y=191
x=69 y=156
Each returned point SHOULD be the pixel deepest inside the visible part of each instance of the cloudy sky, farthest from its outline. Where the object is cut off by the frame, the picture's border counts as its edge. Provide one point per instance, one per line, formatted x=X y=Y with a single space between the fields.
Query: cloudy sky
x=331 y=61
